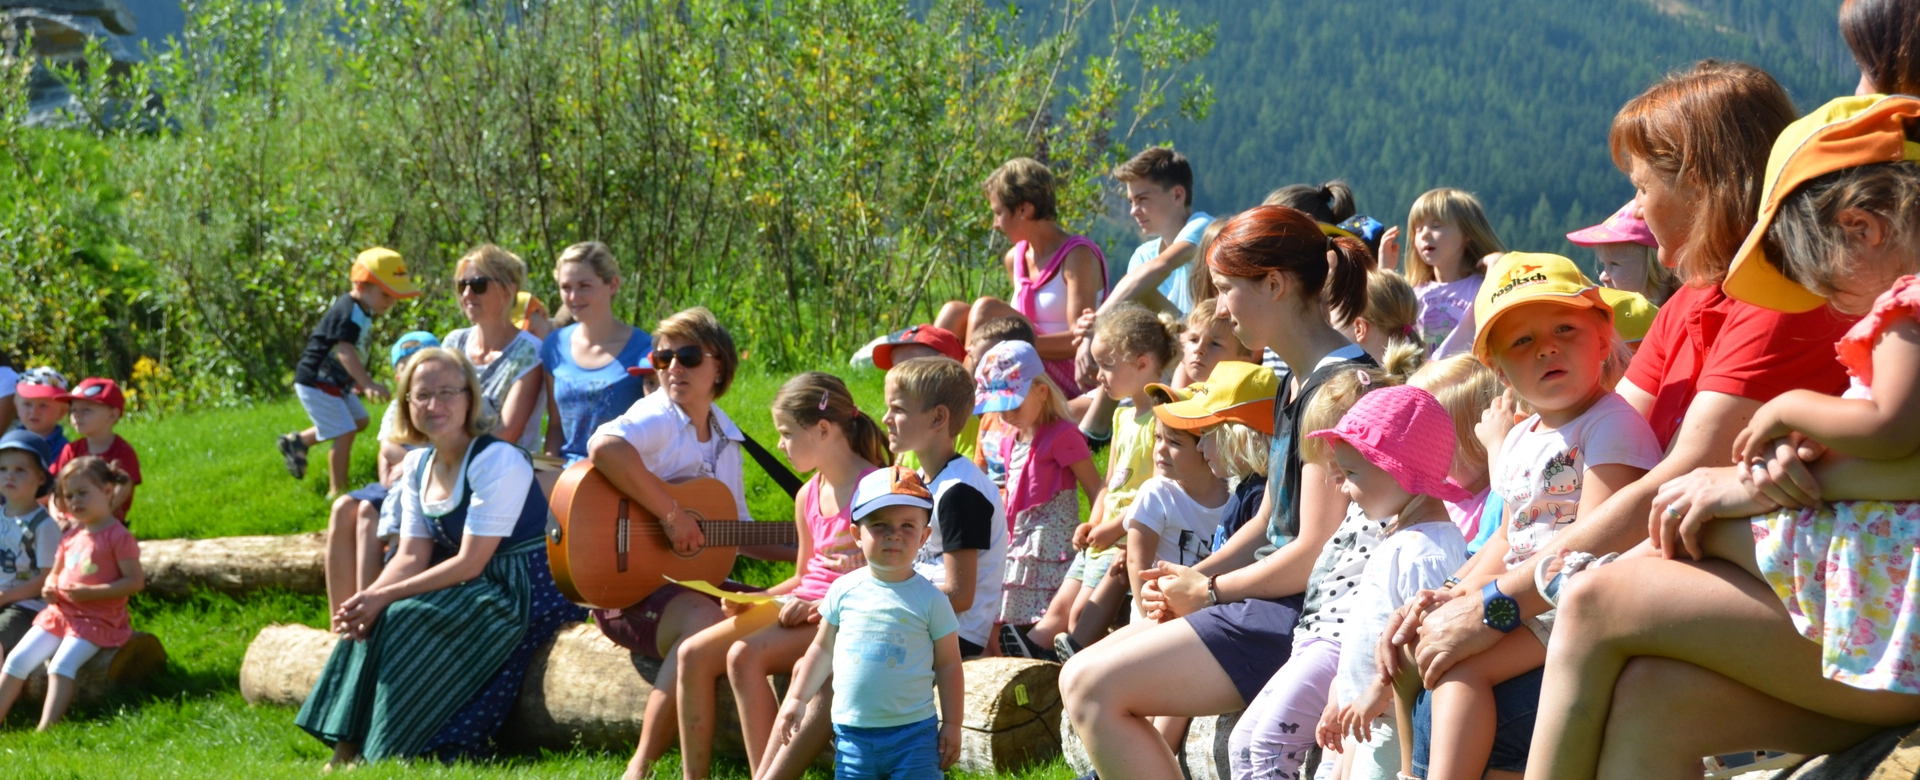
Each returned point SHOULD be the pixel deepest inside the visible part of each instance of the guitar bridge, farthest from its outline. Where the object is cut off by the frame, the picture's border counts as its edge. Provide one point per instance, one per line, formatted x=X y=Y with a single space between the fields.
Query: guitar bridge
x=621 y=528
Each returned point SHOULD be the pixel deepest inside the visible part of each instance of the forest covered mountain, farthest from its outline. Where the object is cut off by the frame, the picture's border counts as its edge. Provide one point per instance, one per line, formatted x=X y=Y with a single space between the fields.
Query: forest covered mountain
x=1510 y=99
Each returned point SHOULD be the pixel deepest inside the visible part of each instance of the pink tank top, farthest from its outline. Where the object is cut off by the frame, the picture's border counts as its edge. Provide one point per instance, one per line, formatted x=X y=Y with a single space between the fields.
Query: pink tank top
x=1044 y=300
x=832 y=537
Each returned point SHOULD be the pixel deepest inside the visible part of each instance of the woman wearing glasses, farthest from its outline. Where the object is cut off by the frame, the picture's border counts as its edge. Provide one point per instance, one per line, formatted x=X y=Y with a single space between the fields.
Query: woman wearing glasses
x=673 y=435
x=433 y=652
x=597 y=363
x=488 y=278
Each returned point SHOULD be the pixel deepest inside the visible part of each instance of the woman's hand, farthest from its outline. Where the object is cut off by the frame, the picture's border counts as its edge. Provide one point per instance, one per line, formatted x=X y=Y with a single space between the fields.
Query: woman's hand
x=1183 y=591
x=356 y=616
x=1781 y=475
x=799 y=612
x=1685 y=504
x=683 y=533
x=1761 y=431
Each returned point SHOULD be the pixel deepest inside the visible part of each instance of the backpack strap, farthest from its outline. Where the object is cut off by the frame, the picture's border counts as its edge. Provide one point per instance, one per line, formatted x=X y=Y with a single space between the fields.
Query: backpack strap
x=781 y=475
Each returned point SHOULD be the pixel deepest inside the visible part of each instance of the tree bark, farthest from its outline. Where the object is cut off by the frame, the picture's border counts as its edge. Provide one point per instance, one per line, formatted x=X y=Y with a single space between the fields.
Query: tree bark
x=236 y=564
x=108 y=669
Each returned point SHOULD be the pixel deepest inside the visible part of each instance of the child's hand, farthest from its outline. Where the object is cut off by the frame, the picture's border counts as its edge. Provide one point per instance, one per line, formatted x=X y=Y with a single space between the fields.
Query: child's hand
x=50 y=591
x=1357 y=720
x=1107 y=534
x=1080 y=536
x=1765 y=426
x=949 y=742
x=1327 y=733
x=1497 y=420
x=799 y=612
x=787 y=723
x=731 y=608
x=1389 y=255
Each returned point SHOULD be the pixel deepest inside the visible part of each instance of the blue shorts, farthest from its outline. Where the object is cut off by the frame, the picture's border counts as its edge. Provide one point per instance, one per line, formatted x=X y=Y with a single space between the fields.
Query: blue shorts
x=1514 y=702
x=910 y=752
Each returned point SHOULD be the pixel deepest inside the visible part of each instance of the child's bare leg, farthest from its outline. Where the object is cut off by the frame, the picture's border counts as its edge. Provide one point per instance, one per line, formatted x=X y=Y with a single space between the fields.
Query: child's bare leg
x=310 y=436
x=660 y=726
x=59 y=697
x=10 y=688
x=702 y=662
x=1055 y=620
x=1406 y=687
x=773 y=650
x=1464 y=717
x=1079 y=606
x=343 y=551
x=1108 y=599
x=367 y=537
x=339 y=461
x=789 y=760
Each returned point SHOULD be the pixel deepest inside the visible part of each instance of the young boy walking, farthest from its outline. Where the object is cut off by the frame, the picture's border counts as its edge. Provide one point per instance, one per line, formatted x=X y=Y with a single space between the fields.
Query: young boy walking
x=929 y=402
x=333 y=367
x=900 y=644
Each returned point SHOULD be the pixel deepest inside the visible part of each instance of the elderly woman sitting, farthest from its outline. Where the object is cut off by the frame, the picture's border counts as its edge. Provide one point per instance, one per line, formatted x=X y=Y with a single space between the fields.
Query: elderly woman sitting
x=432 y=653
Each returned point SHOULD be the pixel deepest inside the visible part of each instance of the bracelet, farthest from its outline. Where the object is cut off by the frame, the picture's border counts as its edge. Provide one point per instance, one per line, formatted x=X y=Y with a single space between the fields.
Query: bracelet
x=1213 y=593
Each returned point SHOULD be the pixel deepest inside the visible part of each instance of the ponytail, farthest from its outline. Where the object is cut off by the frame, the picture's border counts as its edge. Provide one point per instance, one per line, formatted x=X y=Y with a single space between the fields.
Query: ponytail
x=816 y=396
x=1329 y=204
x=1346 y=286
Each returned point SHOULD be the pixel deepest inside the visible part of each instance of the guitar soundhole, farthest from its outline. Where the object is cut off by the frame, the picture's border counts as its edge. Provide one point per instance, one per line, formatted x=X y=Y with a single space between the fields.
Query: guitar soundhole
x=697 y=518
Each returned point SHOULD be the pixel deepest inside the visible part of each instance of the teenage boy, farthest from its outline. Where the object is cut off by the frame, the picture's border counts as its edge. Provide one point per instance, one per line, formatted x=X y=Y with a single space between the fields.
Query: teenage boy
x=929 y=401
x=334 y=366
x=40 y=397
x=94 y=407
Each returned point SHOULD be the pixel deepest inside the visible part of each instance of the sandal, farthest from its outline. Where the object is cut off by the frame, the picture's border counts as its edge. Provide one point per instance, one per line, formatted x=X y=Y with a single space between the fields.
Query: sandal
x=1573 y=563
x=295 y=452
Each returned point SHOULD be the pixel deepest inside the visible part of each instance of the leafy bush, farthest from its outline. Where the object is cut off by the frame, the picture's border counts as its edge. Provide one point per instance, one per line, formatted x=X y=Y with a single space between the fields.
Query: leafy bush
x=807 y=168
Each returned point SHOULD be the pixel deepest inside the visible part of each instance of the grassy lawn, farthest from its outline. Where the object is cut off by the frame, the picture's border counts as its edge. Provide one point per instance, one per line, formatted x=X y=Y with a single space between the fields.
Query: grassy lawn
x=216 y=473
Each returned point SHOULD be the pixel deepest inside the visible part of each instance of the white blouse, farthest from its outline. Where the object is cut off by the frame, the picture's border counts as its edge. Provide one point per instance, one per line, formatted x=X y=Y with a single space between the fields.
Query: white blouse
x=501 y=474
x=665 y=437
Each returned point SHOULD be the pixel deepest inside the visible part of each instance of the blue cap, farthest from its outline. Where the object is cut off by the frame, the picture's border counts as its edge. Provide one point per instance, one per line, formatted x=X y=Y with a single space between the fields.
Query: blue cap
x=23 y=439
x=411 y=343
x=1364 y=228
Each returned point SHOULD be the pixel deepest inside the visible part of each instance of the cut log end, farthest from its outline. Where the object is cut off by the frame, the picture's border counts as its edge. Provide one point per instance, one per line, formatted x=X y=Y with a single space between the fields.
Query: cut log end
x=110 y=669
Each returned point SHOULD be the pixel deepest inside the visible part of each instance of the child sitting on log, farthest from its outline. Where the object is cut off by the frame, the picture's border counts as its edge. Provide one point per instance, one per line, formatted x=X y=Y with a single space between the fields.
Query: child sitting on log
x=901 y=642
x=29 y=537
x=97 y=568
x=363 y=523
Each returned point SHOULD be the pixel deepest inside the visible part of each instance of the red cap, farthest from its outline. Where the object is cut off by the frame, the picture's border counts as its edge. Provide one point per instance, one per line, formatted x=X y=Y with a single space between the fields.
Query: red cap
x=99 y=391
x=41 y=382
x=936 y=337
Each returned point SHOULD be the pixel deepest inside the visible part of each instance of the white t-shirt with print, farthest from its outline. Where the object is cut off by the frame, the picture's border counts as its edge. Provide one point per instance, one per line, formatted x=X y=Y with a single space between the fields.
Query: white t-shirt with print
x=1541 y=471
x=1406 y=562
x=1184 y=525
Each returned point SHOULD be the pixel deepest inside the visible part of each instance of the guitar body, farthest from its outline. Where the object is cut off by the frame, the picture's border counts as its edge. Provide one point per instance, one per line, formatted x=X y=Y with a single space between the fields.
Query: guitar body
x=608 y=552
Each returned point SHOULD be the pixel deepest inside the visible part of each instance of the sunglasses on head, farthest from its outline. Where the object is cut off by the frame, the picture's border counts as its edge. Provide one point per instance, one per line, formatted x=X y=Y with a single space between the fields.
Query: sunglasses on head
x=477 y=284
x=690 y=356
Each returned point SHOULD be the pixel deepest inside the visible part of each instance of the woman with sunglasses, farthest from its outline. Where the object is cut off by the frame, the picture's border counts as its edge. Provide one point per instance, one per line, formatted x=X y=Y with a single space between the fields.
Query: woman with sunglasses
x=674 y=435
x=508 y=358
x=432 y=654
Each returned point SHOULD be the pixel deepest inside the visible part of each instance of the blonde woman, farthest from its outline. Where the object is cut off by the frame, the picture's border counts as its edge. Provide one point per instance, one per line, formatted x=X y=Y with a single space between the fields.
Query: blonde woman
x=488 y=279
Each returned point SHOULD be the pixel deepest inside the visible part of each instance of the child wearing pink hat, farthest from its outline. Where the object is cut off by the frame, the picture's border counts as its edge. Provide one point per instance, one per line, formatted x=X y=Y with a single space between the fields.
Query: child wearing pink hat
x=1627 y=255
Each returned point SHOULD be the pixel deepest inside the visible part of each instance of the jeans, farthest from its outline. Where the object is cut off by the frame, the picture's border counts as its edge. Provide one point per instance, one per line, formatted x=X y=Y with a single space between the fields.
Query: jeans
x=1515 y=702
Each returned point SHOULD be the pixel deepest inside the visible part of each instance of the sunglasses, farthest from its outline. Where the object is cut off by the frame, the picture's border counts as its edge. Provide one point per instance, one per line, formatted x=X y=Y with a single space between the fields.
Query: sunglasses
x=690 y=356
x=477 y=284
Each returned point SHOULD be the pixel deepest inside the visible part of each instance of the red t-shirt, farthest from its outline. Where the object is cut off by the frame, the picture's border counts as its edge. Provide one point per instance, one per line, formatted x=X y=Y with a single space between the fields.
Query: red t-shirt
x=90 y=557
x=119 y=453
x=1704 y=341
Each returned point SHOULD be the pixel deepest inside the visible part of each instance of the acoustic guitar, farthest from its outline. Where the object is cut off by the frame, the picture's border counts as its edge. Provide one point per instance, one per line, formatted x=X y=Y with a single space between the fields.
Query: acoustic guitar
x=607 y=551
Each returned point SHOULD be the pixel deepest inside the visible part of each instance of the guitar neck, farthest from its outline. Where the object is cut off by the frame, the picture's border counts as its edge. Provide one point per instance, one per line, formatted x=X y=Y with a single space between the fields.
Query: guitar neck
x=721 y=533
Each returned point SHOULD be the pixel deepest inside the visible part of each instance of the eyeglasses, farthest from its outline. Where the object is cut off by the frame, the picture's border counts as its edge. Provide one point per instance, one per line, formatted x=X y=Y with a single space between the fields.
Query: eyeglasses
x=690 y=356
x=477 y=284
x=444 y=396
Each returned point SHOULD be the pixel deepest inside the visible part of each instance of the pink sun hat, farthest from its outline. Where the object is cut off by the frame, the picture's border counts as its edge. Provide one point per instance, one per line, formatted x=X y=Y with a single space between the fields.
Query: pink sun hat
x=1621 y=228
x=1406 y=432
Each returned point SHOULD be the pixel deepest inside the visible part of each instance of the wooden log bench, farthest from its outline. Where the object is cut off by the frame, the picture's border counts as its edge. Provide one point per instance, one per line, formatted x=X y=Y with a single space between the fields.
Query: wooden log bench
x=582 y=690
x=236 y=564
x=107 y=670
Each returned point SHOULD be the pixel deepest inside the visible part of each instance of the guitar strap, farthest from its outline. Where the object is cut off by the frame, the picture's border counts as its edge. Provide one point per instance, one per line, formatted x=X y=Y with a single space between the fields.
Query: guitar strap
x=782 y=475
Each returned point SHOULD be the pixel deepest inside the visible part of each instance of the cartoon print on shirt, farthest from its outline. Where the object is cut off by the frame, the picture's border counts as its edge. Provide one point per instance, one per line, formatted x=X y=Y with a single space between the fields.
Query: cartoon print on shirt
x=1562 y=474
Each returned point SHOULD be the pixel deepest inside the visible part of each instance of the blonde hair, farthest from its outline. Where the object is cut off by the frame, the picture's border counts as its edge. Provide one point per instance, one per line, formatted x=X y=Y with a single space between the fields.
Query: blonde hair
x=500 y=265
x=1205 y=317
x=1465 y=387
x=699 y=326
x=1132 y=331
x=816 y=396
x=1391 y=306
x=1056 y=408
x=594 y=255
x=935 y=381
x=1021 y=181
x=1341 y=391
x=1242 y=450
x=1459 y=209
x=479 y=421
x=1613 y=365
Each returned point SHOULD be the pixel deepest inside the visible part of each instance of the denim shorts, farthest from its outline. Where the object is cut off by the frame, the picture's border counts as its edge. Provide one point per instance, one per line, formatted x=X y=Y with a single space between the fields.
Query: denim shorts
x=910 y=752
x=1514 y=702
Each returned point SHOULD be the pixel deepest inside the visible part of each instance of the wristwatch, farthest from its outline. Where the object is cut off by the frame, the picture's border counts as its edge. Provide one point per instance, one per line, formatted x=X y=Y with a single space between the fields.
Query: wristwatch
x=1502 y=612
x=1213 y=594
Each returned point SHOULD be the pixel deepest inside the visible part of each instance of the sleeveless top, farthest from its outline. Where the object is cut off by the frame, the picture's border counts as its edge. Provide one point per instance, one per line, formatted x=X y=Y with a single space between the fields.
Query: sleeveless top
x=448 y=528
x=832 y=535
x=1043 y=301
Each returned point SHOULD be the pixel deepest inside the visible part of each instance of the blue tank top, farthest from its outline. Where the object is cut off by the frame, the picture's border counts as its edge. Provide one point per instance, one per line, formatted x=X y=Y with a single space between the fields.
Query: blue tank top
x=589 y=398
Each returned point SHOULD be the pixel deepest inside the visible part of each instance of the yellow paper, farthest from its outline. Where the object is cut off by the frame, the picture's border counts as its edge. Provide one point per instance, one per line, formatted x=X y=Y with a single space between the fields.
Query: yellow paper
x=702 y=586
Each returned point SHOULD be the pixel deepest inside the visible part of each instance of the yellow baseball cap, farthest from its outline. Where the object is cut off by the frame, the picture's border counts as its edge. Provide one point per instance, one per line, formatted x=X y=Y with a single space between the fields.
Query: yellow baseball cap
x=1236 y=391
x=1632 y=313
x=1530 y=277
x=1845 y=133
x=384 y=267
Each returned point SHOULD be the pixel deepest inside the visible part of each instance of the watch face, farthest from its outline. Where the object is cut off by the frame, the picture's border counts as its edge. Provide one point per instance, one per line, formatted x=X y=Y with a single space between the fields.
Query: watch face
x=1502 y=612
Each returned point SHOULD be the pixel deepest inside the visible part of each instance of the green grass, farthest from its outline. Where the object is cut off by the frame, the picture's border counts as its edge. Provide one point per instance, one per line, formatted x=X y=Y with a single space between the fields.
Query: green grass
x=217 y=473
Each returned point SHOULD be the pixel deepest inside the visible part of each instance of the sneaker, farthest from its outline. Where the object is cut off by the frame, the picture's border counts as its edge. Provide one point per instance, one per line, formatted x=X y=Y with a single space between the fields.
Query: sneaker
x=1015 y=644
x=1065 y=647
x=295 y=452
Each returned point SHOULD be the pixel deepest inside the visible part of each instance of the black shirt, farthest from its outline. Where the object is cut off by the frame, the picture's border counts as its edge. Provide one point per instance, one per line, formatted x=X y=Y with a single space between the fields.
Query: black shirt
x=345 y=321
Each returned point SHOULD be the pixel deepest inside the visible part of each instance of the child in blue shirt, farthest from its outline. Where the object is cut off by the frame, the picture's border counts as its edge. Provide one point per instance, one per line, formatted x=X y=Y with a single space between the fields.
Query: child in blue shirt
x=901 y=643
